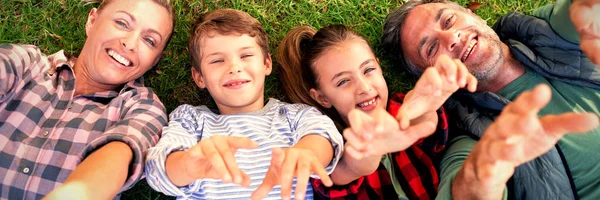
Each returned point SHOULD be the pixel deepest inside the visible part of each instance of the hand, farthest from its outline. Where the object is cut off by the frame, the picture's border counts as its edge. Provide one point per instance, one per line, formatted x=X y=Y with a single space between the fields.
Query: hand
x=287 y=164
x=219 y=151
x=518 y=135
x=380 y=133
x=585 y=17
x=434 y=87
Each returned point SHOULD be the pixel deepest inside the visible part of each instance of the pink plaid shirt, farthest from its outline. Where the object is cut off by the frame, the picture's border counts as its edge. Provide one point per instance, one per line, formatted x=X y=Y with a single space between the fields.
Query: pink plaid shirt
x=46 y=131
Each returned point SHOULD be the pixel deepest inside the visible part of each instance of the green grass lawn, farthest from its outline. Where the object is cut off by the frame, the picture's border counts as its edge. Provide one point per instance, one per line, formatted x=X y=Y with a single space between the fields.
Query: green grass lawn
x=59 y=24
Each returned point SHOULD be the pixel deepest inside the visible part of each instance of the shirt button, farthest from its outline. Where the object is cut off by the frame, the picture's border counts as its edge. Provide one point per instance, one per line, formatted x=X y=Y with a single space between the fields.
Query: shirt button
x=26 y=170
x=46 y=133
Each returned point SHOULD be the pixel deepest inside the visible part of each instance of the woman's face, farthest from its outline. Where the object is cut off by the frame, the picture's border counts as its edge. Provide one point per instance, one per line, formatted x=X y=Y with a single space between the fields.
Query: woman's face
x=124 y=40
x=349 y=77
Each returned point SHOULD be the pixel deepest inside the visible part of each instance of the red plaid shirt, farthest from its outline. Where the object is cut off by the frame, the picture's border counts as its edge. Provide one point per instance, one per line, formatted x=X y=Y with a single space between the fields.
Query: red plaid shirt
x=418 y=167
x=46 y=131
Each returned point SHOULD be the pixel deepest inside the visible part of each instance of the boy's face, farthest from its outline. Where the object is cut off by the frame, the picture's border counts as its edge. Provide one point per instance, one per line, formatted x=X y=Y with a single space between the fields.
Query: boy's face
x=233 y=69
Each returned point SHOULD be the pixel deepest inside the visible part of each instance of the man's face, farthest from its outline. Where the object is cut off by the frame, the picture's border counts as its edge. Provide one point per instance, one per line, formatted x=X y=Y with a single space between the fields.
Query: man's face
x=433 y=29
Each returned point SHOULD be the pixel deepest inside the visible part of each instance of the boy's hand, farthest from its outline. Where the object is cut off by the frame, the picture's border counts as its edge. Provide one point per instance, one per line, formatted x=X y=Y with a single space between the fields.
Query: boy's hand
x=434 y=87
x=219 y=152
x=380 y=133
x=586 y=18
x=287 y=164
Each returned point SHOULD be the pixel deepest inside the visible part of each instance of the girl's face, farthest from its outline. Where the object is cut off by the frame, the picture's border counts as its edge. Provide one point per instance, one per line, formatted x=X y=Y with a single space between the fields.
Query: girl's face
x=349 y=77
x=124 y=40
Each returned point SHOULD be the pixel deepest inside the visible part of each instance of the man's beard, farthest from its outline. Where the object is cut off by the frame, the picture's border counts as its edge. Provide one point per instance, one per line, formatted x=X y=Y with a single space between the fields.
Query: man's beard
x=489 y=68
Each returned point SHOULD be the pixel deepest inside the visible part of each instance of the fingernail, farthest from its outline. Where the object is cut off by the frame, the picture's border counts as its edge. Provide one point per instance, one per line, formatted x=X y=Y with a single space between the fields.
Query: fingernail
x=368 y=136
x=227 y=178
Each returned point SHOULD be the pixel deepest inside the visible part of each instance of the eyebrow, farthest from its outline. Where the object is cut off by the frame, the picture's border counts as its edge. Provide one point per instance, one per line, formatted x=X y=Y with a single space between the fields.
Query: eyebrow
x=346 y=72
x=215 y=53
x=438 y=16
x=134 y=21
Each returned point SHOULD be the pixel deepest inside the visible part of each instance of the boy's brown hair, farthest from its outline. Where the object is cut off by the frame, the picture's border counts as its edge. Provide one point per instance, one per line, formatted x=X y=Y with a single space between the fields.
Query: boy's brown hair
x=224 y=22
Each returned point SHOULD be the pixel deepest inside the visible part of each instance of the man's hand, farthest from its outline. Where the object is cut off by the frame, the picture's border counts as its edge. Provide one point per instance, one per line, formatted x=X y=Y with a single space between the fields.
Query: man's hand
x=287 y=164
x=434 y=87
x=214 y=158
x=585 y=15
x=517 y=136
x=380 y=133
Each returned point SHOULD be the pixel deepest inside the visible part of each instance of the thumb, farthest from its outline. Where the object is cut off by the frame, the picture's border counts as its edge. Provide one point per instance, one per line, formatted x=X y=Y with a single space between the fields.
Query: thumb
x=360 y=122
x=569 y=123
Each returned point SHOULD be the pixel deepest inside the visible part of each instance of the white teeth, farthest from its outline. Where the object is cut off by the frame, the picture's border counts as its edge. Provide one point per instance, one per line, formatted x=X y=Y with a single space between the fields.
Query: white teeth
x=471 y=45
x=366 y=103
x=119 y=58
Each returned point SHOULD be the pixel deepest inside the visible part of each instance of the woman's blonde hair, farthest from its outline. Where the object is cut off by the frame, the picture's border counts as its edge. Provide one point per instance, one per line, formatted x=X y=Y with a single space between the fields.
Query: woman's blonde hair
x=164 y=3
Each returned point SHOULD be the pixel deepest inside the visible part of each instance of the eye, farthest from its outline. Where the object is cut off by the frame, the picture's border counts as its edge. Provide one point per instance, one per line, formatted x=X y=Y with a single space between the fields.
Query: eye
x=121 y=23
x=430 y=50
x=342 y=82
x=216 y=61
x=247 y=55
x=370 y=69
x=447 y=23
x=150 y=41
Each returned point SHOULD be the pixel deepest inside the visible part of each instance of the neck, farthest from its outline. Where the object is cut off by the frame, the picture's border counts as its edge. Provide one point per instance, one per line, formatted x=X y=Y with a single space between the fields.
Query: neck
x=84 y=84
x=230 y=110
x=510 y=70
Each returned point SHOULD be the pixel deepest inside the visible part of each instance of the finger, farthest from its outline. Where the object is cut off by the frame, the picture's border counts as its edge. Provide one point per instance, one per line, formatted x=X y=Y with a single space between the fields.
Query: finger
x=447 y=67
x=303 y=172
x=320 y=171
x=216 y=160
x=241 y=143
x=288 y=171
x=531 y=102
x=263 y=189
x=195 y=153
x=430 y=81
x=569 y=123
x=353 y=140
x=461 y=73
x=360 y=123
x=420 y=130
x=246 y=180
x=222 y=145
x=472 y=83
x=353 y=153
x=591 y=47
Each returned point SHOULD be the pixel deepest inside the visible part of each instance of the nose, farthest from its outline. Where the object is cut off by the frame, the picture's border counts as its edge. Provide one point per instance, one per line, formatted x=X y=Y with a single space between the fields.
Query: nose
x=364 y=86
x=235 y=67
x=451 y=39
x=130 y=41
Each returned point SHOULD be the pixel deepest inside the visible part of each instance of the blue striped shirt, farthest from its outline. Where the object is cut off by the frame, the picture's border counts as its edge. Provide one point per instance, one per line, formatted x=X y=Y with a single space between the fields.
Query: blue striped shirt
x=277 y=124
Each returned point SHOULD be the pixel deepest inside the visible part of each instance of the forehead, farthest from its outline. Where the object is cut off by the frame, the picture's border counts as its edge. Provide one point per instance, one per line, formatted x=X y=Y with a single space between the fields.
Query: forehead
x=216 y=42
x=348 y=55
x=147 y=14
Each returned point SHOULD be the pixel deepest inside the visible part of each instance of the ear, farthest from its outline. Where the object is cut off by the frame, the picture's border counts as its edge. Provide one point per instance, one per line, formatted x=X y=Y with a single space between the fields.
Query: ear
x=91 y=20
x=268 y=64
x=320 y=98
x=198 y=79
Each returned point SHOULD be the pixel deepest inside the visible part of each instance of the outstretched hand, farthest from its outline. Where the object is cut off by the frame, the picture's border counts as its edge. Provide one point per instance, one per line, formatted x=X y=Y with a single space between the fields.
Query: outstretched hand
x=585 y=15
x=219 y=151
x=518 y=135
x=287 y=164
x=380 y=133
x=434 y=87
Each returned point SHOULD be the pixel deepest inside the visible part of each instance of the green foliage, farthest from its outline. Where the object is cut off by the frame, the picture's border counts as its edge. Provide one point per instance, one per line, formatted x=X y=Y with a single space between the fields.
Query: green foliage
x=59 y=24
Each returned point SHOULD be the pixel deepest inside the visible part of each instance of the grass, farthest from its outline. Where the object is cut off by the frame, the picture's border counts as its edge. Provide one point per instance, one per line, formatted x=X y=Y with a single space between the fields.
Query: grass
x=59 y=24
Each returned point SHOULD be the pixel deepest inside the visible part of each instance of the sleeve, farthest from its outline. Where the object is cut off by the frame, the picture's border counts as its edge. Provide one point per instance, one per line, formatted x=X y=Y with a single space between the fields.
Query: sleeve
x=453 y=159
x=557 y=15
x=181 y=134
x=310 y=121
x=140 y=127
x=18 y=65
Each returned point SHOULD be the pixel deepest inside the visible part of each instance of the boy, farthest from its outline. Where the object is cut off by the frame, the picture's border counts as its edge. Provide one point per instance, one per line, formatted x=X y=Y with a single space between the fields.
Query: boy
x=208 y=155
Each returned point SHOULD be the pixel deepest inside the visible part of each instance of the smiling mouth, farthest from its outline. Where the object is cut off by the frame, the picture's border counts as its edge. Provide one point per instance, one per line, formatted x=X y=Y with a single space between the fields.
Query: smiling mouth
x=367 y=103
x=472 y=45
x=119 y=58
x=235 y=83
